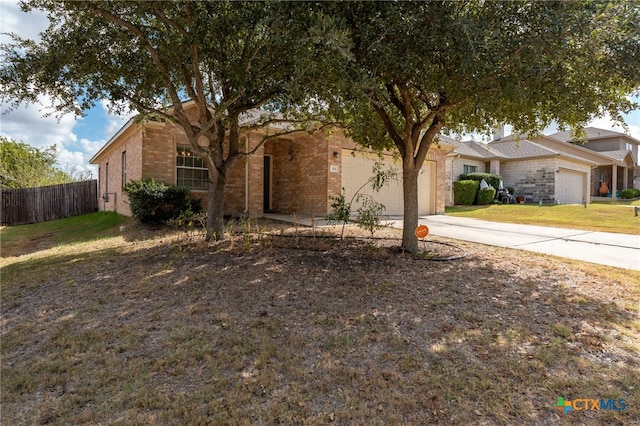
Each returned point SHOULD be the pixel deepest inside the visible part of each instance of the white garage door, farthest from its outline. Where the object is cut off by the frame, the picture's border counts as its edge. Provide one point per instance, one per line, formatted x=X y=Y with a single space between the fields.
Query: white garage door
x=356 y=170
x=570 y=186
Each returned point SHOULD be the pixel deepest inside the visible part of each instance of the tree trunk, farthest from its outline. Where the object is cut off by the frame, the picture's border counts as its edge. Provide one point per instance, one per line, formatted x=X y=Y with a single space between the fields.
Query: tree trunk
x=215 y=207
x=410 y=199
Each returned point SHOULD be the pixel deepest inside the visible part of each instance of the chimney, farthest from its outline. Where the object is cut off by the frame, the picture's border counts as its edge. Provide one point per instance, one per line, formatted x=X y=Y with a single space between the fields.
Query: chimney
x=498 y=133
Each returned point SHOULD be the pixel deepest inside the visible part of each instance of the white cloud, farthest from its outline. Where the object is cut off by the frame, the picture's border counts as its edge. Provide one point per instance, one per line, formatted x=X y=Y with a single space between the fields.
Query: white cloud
x=114 y=122
x=14 y=20
x=27 y=124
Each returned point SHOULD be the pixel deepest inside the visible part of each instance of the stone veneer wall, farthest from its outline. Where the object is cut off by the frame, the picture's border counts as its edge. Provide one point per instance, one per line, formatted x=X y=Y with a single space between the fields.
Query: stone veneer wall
x=534 y=178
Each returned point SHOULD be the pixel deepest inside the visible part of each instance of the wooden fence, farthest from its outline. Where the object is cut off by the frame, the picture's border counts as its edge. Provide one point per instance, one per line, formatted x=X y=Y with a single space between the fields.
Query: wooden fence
x=32 y=205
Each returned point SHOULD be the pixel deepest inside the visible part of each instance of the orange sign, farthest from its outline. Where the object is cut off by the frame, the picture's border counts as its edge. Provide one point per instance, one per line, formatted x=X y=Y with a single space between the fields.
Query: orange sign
x=422 y=231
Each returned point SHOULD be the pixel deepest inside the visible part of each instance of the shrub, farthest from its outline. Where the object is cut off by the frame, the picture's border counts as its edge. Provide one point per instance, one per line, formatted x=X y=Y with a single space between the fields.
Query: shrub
x=629 y=193
x=369 y=213
x=486 y=196
x=491 y=179
x=464 y=191
x=152 y=201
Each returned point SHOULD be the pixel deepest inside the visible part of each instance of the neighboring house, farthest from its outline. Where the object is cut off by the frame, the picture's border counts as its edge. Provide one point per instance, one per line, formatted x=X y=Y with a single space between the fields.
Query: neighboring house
x=552 y=168
x=615 y=153
x=296 y=173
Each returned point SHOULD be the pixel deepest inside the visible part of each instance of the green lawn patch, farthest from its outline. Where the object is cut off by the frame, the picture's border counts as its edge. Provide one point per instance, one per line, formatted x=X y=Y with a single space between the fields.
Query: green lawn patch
x=22 y=239
x=610 y=217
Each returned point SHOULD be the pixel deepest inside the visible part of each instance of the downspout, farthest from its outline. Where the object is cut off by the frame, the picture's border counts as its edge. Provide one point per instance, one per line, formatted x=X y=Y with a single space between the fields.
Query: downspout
x=246 y=177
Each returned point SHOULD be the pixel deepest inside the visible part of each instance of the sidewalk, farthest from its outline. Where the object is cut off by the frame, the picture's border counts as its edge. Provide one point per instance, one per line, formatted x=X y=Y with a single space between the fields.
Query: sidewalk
x=619 y=250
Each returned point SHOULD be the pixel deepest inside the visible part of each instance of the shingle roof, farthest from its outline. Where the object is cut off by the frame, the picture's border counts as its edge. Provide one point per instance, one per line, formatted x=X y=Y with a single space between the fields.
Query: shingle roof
x=522 y=148
x=592 y=133
x=476 y=150
x=618 y=154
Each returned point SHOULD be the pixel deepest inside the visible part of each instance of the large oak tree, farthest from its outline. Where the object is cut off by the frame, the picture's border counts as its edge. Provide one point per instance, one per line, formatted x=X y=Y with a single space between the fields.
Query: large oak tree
x=226 y=57
x=421 y=68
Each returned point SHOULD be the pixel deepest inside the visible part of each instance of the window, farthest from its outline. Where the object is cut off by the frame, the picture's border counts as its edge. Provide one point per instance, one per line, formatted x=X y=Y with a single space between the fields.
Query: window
x=190 y=169
x=124 y=168
x=469 y=169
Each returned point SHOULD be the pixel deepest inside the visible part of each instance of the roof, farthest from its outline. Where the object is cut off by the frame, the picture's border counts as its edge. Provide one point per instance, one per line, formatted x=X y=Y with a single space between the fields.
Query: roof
x=592 y=133
x=618 y=155
x=475 y=149
x=523 y=148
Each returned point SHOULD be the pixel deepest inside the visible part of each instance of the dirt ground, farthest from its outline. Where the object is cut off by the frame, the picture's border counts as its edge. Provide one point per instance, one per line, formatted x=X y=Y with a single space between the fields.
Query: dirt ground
x=286 y=326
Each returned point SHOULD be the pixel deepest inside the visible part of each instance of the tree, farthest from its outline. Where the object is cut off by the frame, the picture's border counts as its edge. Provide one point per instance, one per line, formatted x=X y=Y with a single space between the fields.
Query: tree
x=23 y=166
x=422 y=68
x=225 y=57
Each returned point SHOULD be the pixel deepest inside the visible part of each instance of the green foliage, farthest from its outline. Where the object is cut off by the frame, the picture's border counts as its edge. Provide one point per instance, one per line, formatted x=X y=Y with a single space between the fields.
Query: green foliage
x=490 y=178
x=464 y=191
x=152 y=201
x=369 y=213
x=341 y=211
x=629 y=193
x=23 y=166
x=226 y=57
x=419 y=68
x=486 y=196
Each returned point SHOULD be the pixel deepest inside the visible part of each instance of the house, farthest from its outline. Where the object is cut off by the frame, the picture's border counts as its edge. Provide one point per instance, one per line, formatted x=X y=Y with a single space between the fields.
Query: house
x=615 y=153
x=296 y=173
x=553 y=168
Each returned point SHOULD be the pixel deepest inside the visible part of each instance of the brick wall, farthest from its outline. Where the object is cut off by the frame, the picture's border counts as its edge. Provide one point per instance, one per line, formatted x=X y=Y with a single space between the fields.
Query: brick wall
x=300 y=174
x=111 y=162
x=305 y=170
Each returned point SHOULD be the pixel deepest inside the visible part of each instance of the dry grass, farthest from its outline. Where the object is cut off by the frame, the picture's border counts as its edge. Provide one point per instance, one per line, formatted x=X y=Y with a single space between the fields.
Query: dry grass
x=165 y=329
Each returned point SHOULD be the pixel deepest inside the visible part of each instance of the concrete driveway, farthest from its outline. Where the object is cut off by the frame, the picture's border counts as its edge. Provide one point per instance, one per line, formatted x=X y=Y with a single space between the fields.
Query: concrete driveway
x=619 y=250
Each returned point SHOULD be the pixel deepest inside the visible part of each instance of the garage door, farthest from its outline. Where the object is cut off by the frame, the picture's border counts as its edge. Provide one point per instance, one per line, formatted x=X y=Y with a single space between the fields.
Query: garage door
x=570 y=186
x=356 y=170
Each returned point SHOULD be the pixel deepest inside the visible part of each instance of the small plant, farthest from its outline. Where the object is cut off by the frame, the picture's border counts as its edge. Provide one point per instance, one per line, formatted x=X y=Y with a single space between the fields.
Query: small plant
x=369 y=213
x=245 y=223
x=342 y=209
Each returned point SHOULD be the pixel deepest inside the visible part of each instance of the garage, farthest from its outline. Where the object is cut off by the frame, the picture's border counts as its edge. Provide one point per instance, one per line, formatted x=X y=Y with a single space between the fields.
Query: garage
x=570 y=186
x=356 y=170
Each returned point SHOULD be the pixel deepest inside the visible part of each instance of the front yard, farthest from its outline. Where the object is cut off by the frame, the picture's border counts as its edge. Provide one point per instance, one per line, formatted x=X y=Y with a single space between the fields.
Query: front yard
x=160 y=328
x=606 y=217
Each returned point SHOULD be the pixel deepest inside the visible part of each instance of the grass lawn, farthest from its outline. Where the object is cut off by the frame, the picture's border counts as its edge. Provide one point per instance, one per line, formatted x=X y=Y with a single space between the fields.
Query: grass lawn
x=284 y=326
x=75 y=229
x=605 y=217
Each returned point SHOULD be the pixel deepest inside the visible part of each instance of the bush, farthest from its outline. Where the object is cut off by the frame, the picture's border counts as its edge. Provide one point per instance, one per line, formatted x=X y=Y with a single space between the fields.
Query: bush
x=152 y=201
x=629 y=193
x=486 y=196
x=464 y=191
x=491 y=179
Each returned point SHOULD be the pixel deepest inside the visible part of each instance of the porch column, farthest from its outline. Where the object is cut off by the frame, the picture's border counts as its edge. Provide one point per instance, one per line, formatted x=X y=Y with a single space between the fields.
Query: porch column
x=614 y=181
x=625 y=177
x=495 y=167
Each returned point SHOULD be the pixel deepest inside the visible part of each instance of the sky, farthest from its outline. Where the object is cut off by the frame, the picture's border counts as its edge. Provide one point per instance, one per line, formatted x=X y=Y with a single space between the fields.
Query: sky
x=77 y=139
